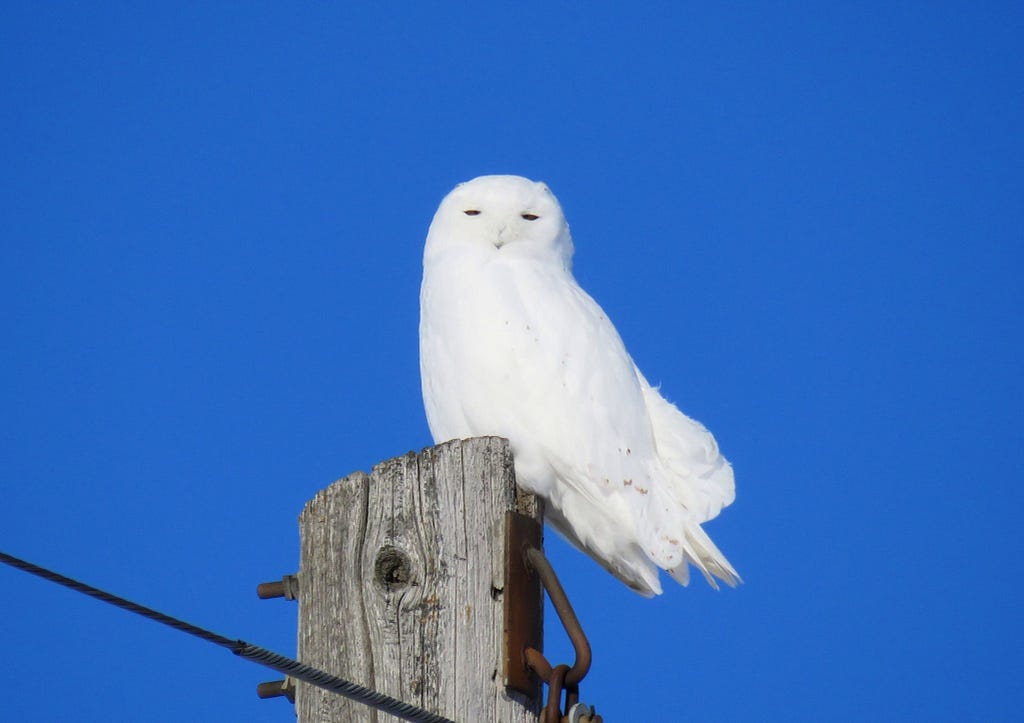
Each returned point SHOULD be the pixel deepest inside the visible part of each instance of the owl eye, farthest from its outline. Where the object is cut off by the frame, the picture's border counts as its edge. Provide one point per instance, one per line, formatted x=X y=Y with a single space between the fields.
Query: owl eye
x=471 y=212
x=530 y=216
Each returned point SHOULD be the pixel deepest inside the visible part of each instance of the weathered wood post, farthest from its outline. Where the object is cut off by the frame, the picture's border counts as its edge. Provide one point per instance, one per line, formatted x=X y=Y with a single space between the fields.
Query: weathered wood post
x=401 y=585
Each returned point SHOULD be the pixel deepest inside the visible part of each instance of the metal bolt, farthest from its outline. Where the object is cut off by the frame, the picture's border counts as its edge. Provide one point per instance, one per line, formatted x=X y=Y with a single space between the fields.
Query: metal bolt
x=287 y=587
x=277 y=689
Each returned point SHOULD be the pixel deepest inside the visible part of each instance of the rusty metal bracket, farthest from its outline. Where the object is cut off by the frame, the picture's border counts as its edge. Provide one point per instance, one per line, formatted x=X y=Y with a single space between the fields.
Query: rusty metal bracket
x=523 y=611
x=561 y=677
x=526 y=569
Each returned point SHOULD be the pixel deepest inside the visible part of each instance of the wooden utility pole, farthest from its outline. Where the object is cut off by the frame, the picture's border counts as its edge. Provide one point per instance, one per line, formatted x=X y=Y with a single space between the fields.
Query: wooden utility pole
x=401 y=585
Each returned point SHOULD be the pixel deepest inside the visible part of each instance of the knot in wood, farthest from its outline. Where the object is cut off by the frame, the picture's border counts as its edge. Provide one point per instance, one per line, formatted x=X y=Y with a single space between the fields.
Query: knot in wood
x=392 y=569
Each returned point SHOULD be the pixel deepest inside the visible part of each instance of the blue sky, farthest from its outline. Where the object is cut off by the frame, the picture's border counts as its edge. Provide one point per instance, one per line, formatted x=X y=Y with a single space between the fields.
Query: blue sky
x=805 y=220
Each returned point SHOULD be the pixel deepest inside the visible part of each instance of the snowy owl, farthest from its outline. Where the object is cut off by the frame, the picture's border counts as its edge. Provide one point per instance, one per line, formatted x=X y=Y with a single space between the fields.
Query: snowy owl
x=511 y=346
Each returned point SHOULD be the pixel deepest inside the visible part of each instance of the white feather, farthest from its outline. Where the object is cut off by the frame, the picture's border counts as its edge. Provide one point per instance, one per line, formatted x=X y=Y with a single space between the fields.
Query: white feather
x=511 y=346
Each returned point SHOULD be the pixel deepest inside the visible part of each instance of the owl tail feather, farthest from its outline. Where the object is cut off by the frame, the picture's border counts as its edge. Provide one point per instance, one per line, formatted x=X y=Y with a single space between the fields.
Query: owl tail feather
x=706 y=557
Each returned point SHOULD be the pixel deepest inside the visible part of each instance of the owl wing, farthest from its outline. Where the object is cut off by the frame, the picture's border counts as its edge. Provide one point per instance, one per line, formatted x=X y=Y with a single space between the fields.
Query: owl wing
x=519 y=350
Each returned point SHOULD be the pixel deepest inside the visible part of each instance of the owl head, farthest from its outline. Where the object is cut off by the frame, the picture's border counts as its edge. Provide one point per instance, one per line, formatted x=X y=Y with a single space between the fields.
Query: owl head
x=501 y=215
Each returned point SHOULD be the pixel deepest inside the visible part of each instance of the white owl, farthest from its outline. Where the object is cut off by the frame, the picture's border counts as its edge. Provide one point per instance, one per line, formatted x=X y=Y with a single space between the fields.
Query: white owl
x=511 y=346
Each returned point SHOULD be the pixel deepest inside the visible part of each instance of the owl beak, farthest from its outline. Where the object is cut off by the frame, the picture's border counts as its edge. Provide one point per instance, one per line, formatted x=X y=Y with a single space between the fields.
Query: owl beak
x=503 y=237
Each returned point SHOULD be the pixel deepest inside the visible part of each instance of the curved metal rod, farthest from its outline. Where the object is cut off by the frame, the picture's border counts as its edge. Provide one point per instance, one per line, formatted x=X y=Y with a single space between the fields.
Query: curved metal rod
x=535 y=559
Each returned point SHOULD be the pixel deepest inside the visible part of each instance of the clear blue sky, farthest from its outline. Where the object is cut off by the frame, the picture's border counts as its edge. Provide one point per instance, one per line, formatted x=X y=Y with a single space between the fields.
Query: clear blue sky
x=806 y=223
